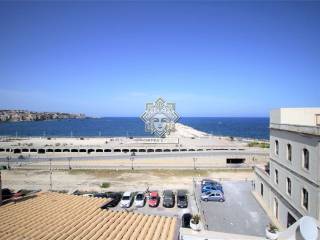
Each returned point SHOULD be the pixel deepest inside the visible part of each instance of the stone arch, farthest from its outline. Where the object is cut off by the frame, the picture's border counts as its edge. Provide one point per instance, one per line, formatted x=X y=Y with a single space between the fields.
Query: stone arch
x=41 y=151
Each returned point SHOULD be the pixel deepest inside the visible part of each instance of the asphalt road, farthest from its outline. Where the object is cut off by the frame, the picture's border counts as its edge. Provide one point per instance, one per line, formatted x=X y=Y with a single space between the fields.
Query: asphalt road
x=125 y=156
x=239 y=214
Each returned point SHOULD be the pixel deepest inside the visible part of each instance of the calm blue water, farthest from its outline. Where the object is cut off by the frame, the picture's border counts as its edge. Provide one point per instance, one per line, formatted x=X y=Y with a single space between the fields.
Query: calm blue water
x=125 y=126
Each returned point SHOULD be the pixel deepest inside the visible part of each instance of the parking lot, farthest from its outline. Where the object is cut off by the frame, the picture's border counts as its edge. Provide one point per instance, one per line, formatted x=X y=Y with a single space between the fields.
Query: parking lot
x=239 y=214
x=160 y=209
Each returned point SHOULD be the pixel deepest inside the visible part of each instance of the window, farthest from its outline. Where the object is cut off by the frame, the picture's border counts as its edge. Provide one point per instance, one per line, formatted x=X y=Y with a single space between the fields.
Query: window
x=305 y=158
x=289 y=186
x=261 y=189
x=276 y=208
x=290 y=220
x=276 y=150
x=305 y=198
x=289 y=152
x=318 y=119
x=276 y=176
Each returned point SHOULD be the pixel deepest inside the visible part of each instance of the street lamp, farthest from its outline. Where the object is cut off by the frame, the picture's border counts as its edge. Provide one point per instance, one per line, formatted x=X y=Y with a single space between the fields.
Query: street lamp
x=50 y=174
x=132 y=159
x=69 y=159
x=8 y=159
x=194 y=163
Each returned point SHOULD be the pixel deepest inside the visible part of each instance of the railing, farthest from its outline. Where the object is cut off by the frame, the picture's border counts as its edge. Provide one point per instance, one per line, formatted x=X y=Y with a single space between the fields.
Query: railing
x=313 y=130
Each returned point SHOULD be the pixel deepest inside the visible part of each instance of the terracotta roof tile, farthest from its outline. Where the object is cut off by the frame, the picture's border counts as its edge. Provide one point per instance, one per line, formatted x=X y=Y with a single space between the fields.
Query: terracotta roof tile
x=55 y=216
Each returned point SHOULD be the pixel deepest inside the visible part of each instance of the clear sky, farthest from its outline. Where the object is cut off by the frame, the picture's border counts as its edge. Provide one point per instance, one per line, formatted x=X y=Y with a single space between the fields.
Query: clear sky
x=110 y=58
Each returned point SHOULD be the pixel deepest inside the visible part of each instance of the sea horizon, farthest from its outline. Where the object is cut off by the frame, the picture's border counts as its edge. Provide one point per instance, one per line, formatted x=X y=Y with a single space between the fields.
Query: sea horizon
x=241 y=127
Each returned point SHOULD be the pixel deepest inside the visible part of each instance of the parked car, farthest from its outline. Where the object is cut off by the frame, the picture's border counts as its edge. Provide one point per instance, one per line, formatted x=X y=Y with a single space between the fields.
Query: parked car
x=209 y=181
x=185 y=220
x=182 y=199
x=6 y=193
x=209 y=188
x=81 y=193
x=214 y=195
x=168 y=199
x=115 y=199
x=108 y=194
x=154 y=199
x=88 y=195
x=140 y=199
x=126 y=200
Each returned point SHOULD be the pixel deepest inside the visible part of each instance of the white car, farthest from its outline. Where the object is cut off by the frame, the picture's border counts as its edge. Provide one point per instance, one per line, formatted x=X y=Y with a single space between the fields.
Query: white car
x=140 y=199
x=126 y=200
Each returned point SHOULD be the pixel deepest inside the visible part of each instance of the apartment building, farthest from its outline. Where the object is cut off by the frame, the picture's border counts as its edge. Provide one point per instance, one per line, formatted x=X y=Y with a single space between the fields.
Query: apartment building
x=289 y=186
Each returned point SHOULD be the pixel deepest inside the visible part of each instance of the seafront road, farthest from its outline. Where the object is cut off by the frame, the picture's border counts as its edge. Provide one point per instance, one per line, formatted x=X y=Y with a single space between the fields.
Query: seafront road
x=188 y=160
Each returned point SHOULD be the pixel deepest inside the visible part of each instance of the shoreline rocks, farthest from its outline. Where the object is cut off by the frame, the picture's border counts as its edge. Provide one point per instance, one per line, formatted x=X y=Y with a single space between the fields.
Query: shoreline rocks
x=24 y=115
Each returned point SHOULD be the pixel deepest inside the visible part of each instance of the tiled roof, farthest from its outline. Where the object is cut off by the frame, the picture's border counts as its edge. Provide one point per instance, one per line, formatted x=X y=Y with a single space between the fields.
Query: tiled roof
x=61 y=216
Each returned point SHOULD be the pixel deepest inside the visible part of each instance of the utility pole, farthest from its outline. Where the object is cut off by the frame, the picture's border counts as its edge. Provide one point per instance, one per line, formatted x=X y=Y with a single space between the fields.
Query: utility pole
x=50 y=174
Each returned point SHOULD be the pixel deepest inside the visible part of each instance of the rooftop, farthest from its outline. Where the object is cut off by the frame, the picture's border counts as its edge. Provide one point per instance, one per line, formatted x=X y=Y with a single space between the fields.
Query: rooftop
x=302 y=120
x=61 y=216
x=296 y=116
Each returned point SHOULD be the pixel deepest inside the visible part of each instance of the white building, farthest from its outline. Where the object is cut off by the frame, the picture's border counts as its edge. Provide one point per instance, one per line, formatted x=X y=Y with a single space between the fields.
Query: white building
x=289 y=187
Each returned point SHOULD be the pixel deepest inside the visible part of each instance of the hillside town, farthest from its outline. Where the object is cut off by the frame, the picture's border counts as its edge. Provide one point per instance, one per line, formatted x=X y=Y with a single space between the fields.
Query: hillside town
x=24 y=115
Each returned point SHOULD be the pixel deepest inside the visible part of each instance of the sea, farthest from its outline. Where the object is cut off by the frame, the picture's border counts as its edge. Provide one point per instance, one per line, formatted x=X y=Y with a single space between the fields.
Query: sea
x=241 y=127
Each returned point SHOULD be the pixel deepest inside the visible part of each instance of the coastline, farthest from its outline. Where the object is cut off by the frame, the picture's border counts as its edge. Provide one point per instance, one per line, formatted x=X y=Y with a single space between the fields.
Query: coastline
x=108 y=128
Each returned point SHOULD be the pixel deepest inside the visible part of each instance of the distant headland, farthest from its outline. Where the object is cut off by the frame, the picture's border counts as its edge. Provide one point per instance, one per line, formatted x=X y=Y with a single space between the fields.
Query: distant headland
x=24 y=115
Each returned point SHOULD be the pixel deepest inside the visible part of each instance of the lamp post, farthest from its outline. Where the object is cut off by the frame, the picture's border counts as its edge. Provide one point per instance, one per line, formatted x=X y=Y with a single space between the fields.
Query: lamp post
x=50 y=174
x=132 y=159
x=69 y=160
x=8 y=159
x=194 y=163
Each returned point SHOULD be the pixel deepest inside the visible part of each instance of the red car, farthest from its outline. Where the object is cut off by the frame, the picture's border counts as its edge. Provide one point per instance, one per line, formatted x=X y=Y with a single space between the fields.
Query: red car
x=153 y=199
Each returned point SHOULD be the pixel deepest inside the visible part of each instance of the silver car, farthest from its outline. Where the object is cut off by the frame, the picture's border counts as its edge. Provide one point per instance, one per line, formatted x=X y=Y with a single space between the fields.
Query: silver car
x=140 y=199
x=214 y=195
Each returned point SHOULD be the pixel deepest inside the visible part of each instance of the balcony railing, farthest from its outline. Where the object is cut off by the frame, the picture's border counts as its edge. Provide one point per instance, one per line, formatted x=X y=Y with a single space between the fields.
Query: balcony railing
x=313 y=130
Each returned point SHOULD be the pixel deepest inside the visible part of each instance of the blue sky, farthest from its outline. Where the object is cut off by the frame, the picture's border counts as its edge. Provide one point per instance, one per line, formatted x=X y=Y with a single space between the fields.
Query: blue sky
x=110 y=58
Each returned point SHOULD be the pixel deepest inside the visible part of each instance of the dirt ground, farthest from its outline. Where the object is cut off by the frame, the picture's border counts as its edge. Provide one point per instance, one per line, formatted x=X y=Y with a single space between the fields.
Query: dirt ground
x=119 y=180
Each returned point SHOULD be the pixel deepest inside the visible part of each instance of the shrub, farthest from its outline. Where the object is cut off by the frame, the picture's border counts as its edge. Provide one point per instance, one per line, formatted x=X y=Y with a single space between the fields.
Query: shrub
x=259 y=144
x=272 y=228
x=105 y=185
x=195 y=219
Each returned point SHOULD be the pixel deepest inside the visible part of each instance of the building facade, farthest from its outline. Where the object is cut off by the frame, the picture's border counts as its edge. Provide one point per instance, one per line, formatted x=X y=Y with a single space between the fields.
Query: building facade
x=289 y=186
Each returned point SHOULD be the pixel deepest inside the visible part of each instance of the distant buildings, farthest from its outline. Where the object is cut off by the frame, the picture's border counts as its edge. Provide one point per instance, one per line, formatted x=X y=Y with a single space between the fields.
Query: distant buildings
x=289 y=186
x=23 y=115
